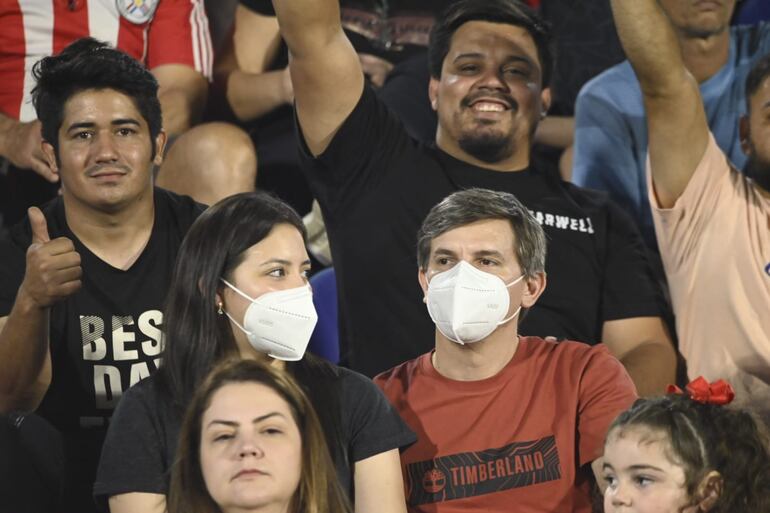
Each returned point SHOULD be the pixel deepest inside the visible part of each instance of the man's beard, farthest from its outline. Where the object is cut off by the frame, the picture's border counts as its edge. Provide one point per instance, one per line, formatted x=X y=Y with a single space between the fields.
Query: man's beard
x=759 y=171
x=488 y=147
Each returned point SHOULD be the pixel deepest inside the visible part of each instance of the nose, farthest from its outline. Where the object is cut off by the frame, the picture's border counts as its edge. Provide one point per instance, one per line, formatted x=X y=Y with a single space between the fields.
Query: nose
x=492 y=79
x=250 y=448
x=619 y=496
x=104 y=149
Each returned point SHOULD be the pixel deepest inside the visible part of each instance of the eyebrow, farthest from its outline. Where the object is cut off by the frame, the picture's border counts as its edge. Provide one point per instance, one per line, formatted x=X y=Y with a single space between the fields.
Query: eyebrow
x=477 y=254
x=282 y=262
x=634 y=467
x=114 y=122
x=232 y=423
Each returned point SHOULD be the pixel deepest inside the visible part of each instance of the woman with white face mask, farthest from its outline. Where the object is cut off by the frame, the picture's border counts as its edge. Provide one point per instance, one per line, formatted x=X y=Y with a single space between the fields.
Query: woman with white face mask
x=240 y=289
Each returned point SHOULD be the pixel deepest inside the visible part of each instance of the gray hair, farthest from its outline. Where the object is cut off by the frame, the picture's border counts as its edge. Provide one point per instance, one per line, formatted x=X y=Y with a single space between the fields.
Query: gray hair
x=471 y=205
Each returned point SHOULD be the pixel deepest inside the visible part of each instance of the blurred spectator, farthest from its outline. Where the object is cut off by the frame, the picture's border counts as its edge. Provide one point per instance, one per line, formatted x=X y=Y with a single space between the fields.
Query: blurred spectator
x=534 y=413
x=711 y=221
x=82 y=282
x=611 y=128
x=171 y=38
x=375 y=185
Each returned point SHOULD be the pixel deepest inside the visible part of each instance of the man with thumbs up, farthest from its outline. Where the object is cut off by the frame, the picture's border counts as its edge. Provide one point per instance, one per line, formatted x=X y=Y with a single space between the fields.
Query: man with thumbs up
x=82 y=281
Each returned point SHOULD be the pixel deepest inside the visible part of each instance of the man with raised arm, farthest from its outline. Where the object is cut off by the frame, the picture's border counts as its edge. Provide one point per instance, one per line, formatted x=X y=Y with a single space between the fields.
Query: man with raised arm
x=83 y=279
x=490 y=67
x=712 y=222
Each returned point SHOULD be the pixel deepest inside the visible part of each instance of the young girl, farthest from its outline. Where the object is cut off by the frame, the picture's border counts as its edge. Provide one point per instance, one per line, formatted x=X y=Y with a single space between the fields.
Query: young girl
x=687 y=453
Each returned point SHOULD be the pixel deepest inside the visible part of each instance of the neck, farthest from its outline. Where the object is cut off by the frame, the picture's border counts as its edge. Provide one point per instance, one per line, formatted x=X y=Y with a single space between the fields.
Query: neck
x=282 y=507
x=705 y=56
x=518 y=161
x=117 y=237
x=478 y=360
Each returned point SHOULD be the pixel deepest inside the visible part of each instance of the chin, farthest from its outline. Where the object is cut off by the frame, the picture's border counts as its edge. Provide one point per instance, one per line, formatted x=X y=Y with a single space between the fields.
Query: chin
x=490 y=147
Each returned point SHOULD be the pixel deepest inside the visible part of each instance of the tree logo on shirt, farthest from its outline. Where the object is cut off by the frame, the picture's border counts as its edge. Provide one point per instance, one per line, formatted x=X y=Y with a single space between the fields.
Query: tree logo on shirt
x=434 y=481
x=469 y=474
x=137 y=12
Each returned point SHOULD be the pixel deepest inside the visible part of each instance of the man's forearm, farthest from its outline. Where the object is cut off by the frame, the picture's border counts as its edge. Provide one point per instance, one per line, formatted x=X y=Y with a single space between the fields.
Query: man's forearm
x=252 y=95
x=181 y=110
x=650 y=44
x=652 y=367
x=24 y=354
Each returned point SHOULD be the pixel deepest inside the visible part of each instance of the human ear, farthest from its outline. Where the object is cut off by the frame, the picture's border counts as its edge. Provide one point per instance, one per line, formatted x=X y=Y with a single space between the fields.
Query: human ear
x=50 y=156
x=533 y=287
x=433 y=92
x=545 y=101
x=744 y=128
x=709 y=490
x=423 y=279
x=160 y=145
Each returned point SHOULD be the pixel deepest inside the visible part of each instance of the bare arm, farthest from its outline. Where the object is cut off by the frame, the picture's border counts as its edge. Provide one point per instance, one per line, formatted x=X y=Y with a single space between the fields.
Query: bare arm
x=678 y=130
x=52 y=273
x=21 y=143
x=251 y=90
x=379 y=485
x=182 y=94
x=132 y=502
x=556 y=131
x=325 y=69
x=644 y=348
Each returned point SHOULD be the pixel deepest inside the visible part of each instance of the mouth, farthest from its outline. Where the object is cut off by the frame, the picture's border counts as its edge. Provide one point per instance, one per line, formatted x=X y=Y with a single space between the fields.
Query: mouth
x=107 y=173
x=248 y=473
x=708 y=5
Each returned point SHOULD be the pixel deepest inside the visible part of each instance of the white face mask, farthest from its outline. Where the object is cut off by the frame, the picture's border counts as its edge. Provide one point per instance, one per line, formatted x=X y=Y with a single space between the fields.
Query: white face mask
x=279 y=323
x=467 y=304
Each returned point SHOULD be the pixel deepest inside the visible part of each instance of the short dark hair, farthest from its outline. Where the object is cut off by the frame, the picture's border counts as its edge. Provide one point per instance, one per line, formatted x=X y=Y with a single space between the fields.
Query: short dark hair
x=705 y=437
x=757 y=76
x=91 y=64
x=471 y=205
x=511 y=12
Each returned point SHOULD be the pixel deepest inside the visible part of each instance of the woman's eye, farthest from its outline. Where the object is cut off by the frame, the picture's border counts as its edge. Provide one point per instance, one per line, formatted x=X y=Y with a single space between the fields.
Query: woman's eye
x=611 y=481
x=223 y=436
x=273 y=431
x=277 y=273
x=643 y=481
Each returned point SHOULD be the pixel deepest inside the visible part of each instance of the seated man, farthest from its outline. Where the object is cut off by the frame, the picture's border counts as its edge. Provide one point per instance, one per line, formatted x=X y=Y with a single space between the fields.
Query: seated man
x=611 y=125
x=501 y=419
x=712 y=222
x=82 y=282
x=490 y=67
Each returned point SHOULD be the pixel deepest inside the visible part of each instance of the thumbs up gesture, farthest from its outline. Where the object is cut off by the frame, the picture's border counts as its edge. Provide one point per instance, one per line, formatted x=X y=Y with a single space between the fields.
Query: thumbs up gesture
x=53 y=266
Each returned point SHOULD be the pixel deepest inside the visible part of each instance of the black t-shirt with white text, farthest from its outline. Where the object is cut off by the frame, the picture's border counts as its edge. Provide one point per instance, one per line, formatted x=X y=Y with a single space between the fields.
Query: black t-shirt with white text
x=376 y=185
x=107 y=336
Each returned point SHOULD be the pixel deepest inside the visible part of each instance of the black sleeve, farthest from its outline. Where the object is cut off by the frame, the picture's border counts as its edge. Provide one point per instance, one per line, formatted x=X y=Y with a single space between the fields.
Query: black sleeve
x=264 y=7
x=134 y=453
x=373 y=425
x=365 y=151
x=12 y=265
x=630 y=288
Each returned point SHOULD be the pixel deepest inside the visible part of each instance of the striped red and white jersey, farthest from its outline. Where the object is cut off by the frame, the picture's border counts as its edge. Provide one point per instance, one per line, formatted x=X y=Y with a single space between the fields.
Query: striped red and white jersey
x=177 y=33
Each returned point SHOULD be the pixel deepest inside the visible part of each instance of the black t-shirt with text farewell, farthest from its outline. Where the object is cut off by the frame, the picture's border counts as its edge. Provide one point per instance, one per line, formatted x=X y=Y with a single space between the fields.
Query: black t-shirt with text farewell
x=107 y=336
x=376 y=185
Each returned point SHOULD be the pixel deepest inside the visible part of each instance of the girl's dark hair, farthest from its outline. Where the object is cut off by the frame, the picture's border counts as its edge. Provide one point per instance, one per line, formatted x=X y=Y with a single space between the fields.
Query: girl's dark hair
x=511 y=12
x=318 y=491
x=196 y=337
x=91 y=64
x=706 y=437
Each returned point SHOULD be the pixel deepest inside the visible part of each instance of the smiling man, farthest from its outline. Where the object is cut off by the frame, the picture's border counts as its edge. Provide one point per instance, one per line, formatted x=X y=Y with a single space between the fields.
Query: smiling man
x=82 y=281
x=490 y=62
x=501 y=419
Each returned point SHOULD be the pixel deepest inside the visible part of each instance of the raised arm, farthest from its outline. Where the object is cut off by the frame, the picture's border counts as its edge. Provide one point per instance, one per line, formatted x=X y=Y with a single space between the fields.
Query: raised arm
x=325 y=69
x=20 y=143
x=678 y=130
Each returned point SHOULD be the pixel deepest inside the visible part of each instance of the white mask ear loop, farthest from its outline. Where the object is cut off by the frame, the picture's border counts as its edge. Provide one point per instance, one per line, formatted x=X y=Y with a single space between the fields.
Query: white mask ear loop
x=235 y=289
x=514 y=282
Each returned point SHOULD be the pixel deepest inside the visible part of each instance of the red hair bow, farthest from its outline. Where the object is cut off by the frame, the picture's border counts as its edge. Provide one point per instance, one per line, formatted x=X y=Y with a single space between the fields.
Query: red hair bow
x=719 y=392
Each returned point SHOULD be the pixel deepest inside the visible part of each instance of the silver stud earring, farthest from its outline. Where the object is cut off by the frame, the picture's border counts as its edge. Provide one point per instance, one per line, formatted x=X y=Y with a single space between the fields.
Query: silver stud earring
x=219 y=309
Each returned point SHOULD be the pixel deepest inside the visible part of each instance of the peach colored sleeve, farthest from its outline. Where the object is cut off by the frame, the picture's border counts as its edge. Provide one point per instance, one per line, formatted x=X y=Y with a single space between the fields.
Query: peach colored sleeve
x=680 y=228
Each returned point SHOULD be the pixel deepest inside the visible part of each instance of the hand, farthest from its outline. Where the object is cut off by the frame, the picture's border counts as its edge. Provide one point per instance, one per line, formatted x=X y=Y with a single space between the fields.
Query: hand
x=53 y=266
x=24 y=149
x=375 y=68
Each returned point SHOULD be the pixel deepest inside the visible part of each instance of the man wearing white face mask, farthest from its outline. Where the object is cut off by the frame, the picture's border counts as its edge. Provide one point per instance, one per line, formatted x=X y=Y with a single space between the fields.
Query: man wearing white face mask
x=501 y=419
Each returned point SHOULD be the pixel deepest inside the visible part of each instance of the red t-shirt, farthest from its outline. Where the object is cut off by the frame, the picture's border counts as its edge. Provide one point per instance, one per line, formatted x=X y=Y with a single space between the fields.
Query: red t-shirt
x=520 y=440
x=176 y=33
